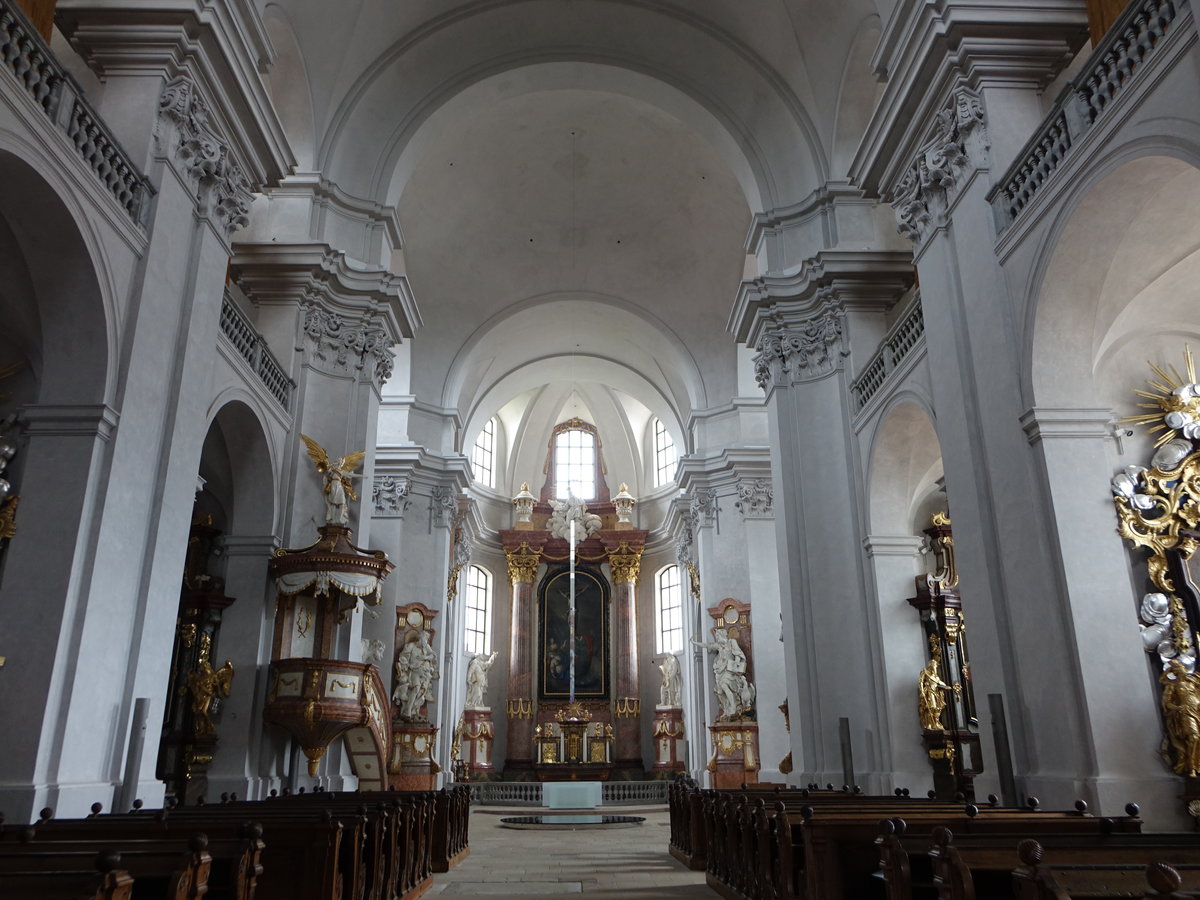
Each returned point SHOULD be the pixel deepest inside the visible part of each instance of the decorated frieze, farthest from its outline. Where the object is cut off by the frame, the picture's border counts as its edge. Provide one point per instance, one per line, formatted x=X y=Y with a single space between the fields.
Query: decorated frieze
x=756 y=498
x=221 y=186
x=344 y=343
x=921 y=195
x=807 y=350
x=389 y=496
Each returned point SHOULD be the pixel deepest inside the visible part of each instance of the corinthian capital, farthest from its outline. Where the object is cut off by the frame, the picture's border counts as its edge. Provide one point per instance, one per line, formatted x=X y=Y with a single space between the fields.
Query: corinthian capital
x=809 y=350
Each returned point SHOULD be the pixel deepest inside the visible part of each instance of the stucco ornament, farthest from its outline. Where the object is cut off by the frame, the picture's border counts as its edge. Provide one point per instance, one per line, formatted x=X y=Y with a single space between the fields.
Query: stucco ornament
x=807 y=350
x=572 y=510
x=221 y=185
x=1158 y=508
x=920 y=196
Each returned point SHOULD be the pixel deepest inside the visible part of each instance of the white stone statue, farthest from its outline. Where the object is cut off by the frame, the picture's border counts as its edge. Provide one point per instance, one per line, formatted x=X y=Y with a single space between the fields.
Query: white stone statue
x=477 y=680
x=735 y=693
x=338 y=483
x=669 y=691
x=372 y=650
x=572 y=510
x=416 y=670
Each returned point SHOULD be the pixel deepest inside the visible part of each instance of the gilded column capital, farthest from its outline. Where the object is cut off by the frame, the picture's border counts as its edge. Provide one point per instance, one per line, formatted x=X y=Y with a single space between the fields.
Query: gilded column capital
x=523 y=562
x=626 y=563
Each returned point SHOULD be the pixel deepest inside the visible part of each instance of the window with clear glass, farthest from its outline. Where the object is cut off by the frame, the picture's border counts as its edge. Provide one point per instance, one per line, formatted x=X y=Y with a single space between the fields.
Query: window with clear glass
x=669 y=604
x=483 y=455
x=575 y=464
x=479 y=610
x=666 y=457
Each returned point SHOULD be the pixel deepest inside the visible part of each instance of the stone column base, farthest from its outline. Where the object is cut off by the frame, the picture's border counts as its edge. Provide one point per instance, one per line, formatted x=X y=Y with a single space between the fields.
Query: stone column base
x=476 y=744
x=668 y=740
x=735 y=754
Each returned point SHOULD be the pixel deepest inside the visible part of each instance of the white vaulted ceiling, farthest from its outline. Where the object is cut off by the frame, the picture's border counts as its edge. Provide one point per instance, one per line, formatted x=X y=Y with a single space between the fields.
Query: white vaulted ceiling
x=574 y=180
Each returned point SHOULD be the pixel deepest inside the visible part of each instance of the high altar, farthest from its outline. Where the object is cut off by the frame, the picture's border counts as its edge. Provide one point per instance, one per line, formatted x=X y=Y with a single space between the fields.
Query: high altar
x=596 y=735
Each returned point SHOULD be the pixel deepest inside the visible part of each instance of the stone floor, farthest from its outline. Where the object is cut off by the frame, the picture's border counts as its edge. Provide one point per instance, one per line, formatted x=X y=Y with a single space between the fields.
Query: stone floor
x=622 y=862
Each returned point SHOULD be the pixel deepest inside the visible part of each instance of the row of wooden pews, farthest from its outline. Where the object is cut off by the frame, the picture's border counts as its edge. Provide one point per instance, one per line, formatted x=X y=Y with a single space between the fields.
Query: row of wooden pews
x=777 y=843
x=315 y=846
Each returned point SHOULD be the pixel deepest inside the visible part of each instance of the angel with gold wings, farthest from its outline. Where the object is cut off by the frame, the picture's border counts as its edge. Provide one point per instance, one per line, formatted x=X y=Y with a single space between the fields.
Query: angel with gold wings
x=338 y=484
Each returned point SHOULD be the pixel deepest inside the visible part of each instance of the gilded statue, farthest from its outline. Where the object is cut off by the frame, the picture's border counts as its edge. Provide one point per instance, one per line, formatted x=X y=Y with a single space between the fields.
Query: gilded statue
x=931 y=699
x=1181 y=711
x=206 y=684
x=338 y=480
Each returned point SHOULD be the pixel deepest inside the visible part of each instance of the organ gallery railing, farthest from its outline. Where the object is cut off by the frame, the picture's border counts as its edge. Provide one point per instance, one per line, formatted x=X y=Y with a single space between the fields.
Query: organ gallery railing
x=25 y=55
x=1131 y=41
x=896 y=345
x=252 y=347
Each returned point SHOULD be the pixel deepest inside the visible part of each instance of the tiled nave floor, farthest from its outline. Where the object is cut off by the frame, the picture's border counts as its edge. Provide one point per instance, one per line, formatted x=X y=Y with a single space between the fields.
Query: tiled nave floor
x=621 y=862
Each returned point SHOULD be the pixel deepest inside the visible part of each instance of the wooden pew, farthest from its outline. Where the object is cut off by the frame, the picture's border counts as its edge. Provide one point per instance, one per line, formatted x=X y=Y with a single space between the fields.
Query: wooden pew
x=236 y=854
x=165 y=869
x=103 y=880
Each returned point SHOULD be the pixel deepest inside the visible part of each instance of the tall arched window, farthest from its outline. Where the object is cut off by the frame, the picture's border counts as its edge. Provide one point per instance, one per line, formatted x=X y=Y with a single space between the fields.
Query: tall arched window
x=666 y=457
x=575 y=461
x=483 y=454
x=668 y=597
x=479 y=611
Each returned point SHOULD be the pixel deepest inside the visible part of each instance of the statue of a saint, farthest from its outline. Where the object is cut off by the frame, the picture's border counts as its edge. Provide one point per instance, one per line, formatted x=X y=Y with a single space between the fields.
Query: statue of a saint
x=669 y=691
x=572 y=510
x=205 y=684
x=930 y=697
x=477 y=680
x=735 y=693
x=338 y=480
x=416 y=670
x=1181 y=712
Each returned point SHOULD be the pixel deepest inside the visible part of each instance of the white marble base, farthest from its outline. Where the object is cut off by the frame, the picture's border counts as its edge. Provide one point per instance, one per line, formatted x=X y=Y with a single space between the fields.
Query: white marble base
x=572 y=794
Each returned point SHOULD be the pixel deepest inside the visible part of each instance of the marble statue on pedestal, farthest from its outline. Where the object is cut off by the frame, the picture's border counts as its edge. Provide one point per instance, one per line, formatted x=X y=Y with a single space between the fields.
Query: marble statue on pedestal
x=669 y=690
x=477 y=680
x=735 y=693
x=416 y=670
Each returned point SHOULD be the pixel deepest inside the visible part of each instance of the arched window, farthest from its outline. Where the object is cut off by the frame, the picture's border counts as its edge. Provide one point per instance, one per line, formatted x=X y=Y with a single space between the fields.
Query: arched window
x=483 y=454
x=479 y=611
x=668 y=597
x=666 y=457
x=575 y=461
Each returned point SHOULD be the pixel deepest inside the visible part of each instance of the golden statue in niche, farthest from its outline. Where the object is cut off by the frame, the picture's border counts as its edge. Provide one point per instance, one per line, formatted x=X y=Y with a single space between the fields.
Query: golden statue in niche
x=931 y=699
x=205 y=684
x=1181 y=712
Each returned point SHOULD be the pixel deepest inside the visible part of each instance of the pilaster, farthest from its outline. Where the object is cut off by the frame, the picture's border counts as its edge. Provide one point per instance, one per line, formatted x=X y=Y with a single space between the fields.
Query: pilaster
x=806 y=331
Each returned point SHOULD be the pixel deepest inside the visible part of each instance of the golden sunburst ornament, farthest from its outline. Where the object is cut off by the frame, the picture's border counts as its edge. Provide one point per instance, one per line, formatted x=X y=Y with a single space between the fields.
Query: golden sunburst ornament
x=1175 y=401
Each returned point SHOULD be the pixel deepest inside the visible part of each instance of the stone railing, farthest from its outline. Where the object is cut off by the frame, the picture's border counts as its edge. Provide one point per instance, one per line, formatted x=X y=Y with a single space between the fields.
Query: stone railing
x=25 y=55
x=252 y=347
x=904 y=335
x=1128 y=44
x=529 y=793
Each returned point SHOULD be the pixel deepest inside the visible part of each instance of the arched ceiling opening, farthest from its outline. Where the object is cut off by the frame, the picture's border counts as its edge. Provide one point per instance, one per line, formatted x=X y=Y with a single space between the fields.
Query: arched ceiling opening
x=906 y=463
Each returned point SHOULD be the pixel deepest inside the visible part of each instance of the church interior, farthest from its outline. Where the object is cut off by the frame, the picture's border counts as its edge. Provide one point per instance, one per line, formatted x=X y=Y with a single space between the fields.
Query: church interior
x=540 y=395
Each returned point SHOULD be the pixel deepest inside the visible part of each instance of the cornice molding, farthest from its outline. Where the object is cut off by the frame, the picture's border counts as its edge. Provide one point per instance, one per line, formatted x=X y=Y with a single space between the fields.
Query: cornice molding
x=313 y=186
x=852 y=277
x=1088 y=423
x=930 y=47
x=222 y=45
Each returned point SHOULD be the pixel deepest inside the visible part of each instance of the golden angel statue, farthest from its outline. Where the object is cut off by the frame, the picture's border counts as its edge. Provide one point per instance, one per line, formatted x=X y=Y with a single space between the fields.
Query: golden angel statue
x=205 y=684
x=338 y=483
x=931 y=699
x=1181 y=711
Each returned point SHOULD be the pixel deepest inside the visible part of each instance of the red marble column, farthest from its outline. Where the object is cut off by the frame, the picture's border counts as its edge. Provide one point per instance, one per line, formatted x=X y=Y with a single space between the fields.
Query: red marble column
x=627 y=722
x=520 y=705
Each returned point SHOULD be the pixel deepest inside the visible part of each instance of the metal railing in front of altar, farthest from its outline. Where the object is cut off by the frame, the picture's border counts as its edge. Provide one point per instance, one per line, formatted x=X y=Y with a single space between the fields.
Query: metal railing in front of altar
x=529 y=793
